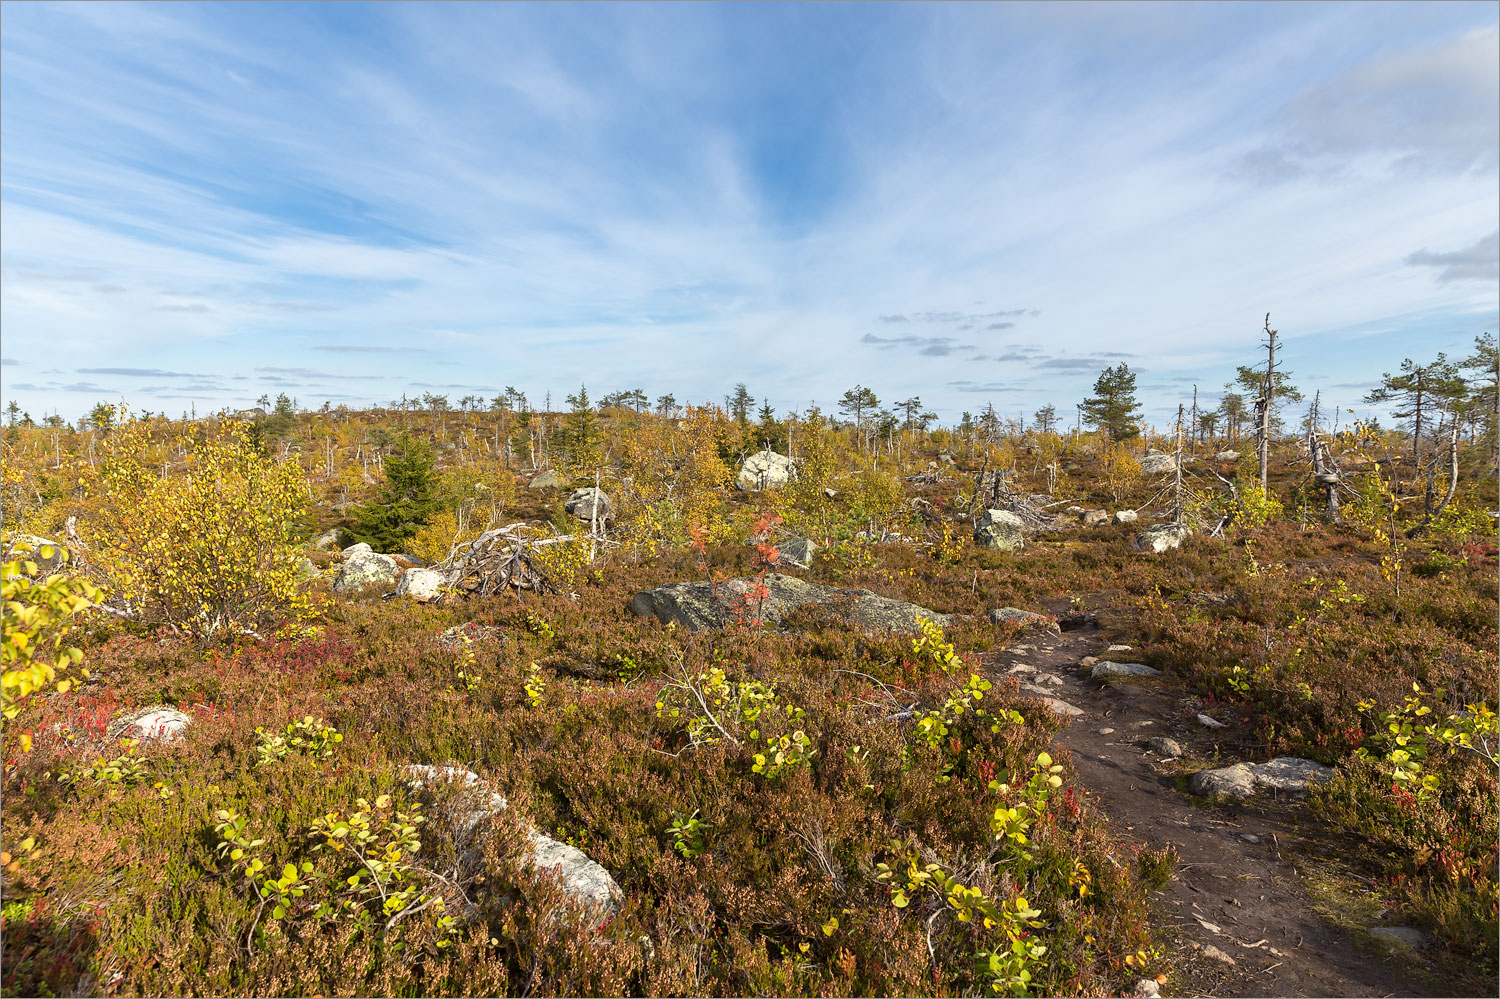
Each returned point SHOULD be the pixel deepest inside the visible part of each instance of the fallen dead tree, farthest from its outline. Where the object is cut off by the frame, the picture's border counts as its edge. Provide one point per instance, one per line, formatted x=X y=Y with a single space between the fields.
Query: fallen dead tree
x=992 y=492
x=503 y=558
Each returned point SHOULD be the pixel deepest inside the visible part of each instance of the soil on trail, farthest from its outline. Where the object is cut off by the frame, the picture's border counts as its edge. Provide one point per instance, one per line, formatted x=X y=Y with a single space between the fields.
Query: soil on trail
x=1235 y=895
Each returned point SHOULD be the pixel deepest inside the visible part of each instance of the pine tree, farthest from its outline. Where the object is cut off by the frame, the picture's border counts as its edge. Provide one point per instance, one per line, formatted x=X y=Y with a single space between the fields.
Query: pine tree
x=406 y=499
x=1046 y=419
x=1417 y=391
x=1113 y=407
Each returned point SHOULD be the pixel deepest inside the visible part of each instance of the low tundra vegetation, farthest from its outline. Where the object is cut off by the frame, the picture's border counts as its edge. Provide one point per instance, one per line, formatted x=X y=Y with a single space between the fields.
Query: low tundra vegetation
x=814 y=809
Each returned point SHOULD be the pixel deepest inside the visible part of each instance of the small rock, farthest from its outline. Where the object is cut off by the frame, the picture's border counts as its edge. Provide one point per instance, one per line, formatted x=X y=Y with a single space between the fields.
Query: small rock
x=1216 y=954
x=453 y=638
x=155 y=724
x=1119 y=648
x=1237 y=781
x=1026 y=619
x=1106 y=731
x=547 y=480
x=1087 y=662
x=1104 y=670
x=1094 y=518
x=1227 y=456
x=1208 y=722
x=1399 y=937
x=1147 y=988
x=357 y=549
x=1166 y=747
x=1061 y=707
x=1250 y=838
x=1142 y=724
x=1126 y=516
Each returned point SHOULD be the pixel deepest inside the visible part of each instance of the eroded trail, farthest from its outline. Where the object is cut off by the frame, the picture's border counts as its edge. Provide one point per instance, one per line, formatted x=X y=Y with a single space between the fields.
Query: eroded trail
x=1235 y=913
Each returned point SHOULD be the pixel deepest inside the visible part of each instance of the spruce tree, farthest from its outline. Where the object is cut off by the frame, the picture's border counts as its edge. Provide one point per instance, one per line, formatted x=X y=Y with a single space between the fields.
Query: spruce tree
x=406 y=499
x=1113 y=407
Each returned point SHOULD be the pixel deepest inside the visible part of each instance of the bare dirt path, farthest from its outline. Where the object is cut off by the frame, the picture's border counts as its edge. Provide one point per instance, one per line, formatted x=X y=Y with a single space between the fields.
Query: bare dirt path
x=1234 y=889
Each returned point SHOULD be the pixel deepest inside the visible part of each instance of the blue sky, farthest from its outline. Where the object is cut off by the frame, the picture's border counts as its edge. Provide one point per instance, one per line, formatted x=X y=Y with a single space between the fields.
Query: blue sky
x=973 y=203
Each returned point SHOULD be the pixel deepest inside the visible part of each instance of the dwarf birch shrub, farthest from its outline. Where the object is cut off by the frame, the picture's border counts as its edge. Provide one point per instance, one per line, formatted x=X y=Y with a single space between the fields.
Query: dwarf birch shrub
x=36 y=618
x=208 y=551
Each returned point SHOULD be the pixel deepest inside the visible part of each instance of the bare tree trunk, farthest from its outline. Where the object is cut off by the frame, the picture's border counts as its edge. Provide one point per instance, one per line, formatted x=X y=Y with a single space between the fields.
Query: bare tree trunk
x=1193 y=425
x=1324 y=474
x=1432 y=512
x=1177 y=484
x=1268 y=395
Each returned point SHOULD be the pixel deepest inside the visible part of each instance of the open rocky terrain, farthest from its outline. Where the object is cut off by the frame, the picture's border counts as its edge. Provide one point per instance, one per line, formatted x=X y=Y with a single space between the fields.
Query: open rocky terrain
x=925 y=730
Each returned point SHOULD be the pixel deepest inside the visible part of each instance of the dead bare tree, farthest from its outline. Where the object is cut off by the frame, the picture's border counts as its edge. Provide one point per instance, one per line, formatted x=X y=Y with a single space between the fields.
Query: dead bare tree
x=1264 y=403
x=1177 y=470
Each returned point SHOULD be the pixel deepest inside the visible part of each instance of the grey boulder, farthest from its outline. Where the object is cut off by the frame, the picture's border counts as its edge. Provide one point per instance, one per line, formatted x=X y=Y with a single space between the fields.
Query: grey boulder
x=699 y=605
x=1237 y=781
x=364 y=569
x=1125 y=516
x=1163 y=537
x=1155 y=462
x=1000 y=529
x=1166 y=747
x=1104 y=670
x=161 y=723
x=796 y=551
x=588 y=503
x=48 y=556
x=468 y=805
x=1285 y=773
x=421 y=585
x=765 y=470
x=1023 y=618
x=546 y=480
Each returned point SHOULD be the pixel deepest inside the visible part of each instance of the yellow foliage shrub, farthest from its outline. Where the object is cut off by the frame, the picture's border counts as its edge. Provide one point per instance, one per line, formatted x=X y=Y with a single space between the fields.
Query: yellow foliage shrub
x=209 y=550
x=35 y=618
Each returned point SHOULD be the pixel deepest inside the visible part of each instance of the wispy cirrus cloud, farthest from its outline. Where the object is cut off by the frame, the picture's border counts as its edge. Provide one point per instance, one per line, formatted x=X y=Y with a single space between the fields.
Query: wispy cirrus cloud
x=631 y=197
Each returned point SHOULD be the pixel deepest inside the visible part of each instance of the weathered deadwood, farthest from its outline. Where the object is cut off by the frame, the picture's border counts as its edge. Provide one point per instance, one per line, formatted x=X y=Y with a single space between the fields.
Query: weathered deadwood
x=499 y=559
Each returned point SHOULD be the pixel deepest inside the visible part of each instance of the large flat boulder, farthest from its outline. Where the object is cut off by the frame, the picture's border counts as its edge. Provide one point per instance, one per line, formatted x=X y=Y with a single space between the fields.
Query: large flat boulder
x=1284 y=773
x=700 y=605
